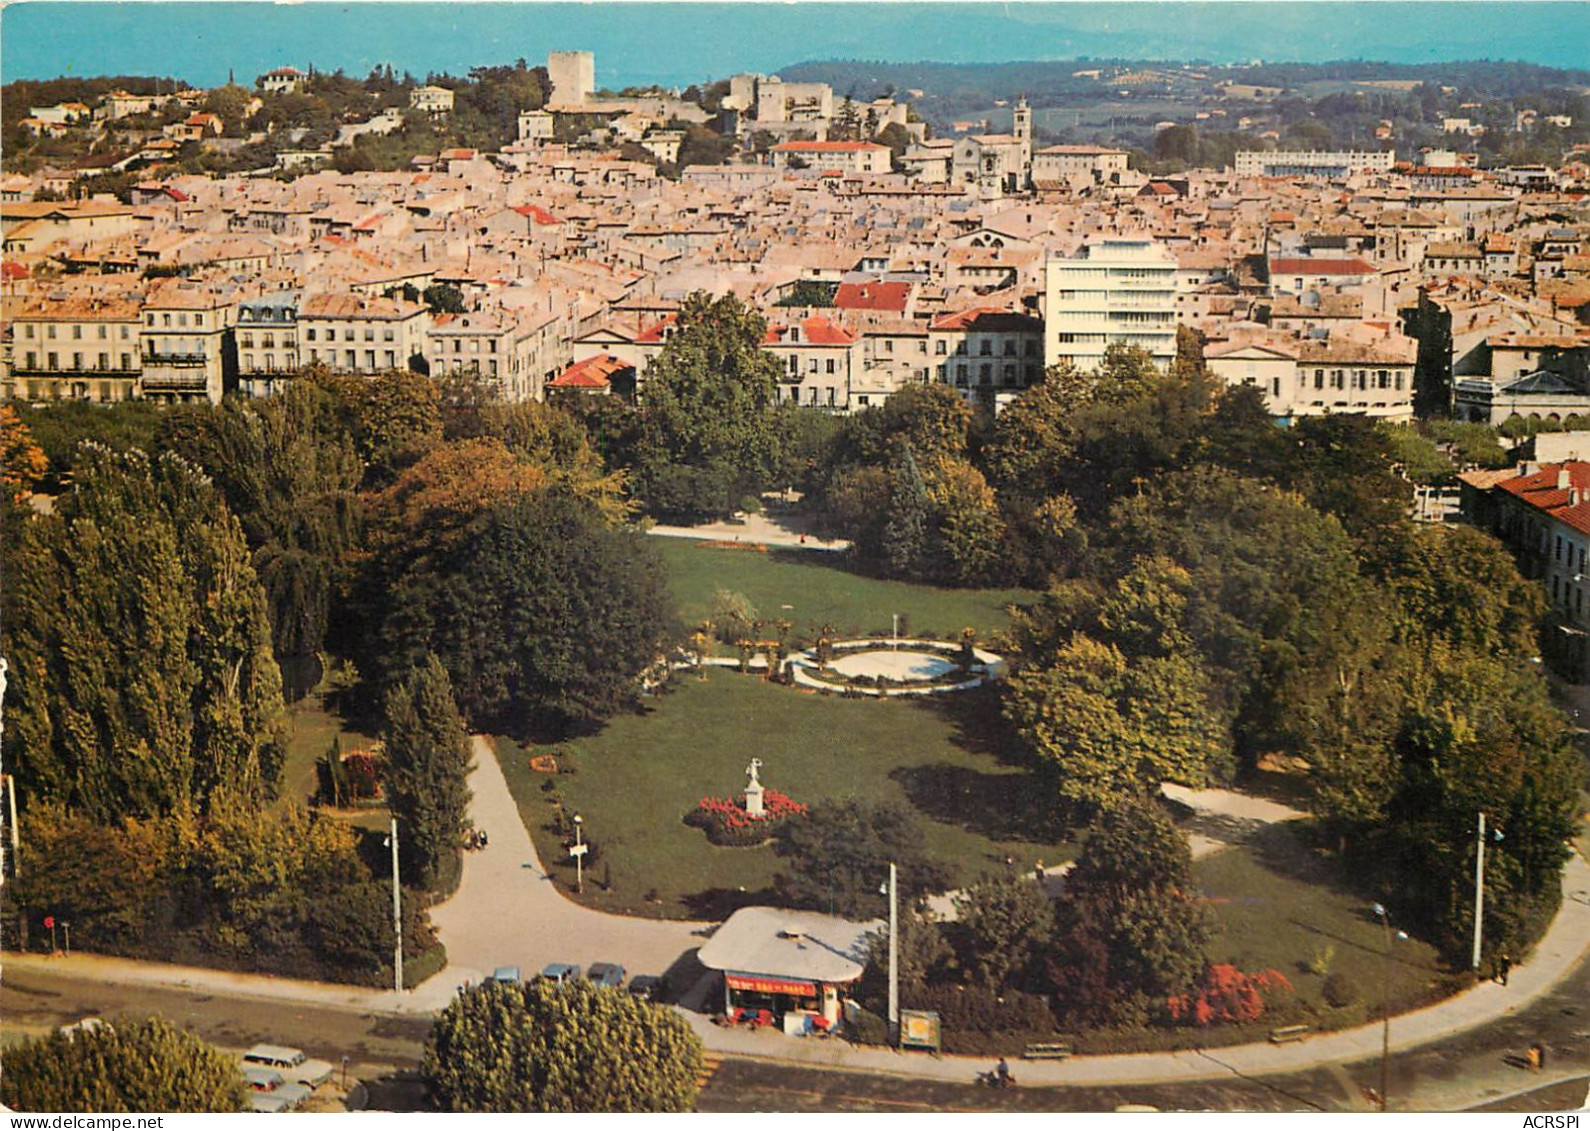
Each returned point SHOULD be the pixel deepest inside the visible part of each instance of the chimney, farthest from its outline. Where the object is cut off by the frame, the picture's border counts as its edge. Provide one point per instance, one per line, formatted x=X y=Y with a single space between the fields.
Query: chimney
x=1563 y=479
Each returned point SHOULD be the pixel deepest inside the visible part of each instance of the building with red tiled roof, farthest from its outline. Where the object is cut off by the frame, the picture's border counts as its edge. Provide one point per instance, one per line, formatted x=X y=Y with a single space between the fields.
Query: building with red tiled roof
x=1542 y=513
x=601 y=375
x=987 y=353
x=894 y=298
x=1299 y=274
x=820 y=362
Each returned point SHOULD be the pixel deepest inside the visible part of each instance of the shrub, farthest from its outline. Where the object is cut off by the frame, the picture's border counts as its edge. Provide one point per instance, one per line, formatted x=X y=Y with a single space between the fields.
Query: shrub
x=728 y=825
x=867 y=1028
x=1320 y=961
x=1229 y=996
x=1339 y=991
x=976 y=1019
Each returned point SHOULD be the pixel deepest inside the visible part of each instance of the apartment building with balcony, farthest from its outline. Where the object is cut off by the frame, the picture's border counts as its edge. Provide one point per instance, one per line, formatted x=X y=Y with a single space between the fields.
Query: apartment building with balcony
x=1116 y=290
x=73 y=348
x=185 y=345
x=267 y=342
x=355 y=333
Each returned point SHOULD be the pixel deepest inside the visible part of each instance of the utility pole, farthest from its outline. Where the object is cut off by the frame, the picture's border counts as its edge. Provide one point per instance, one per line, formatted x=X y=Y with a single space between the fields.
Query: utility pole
x=894 y=956
x=1479 y=888
x=397 y=916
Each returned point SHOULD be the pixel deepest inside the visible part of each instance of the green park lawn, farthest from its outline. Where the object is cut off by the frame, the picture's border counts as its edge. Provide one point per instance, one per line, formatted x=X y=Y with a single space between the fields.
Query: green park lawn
x=635 y=781
x=311 y=729
x=1280 y=906
x=816 y=590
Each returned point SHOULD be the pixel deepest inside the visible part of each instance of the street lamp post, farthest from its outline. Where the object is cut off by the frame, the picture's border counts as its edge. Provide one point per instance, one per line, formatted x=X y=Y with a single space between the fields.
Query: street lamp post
x=1479 y=887
x=397 y=915
x=894 y=955
x=1385 y=1003
x=578 y=852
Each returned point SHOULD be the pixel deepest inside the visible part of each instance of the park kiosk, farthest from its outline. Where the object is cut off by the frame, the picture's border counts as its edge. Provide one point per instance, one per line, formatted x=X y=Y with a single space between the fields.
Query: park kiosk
x=787 y=968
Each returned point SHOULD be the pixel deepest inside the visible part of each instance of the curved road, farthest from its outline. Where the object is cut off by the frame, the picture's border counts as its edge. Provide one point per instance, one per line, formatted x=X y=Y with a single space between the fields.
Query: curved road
x=508 y=912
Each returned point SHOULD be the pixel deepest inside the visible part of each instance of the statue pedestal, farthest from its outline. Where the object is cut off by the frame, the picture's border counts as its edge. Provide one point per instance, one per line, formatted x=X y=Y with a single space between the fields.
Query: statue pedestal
x=753 y=799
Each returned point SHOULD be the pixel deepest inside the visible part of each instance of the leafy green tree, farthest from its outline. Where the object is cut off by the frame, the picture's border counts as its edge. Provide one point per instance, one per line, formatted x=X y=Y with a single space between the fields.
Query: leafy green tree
x=133 y=1066
x=540 y=1047
x=709 y=431
x=905 y=534
x=1129 y=928
x=289 y=470
x=1006 y=922
x=1113 y=729
x=923 y=954
x=142 y=676
x=733 y=613
x=427 y=774
x=444 y=299
x=539 y=610
x=839 y=855
x=968 y=536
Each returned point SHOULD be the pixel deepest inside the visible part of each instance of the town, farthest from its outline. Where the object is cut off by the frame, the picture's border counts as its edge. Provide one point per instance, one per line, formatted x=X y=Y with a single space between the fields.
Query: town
x=795 y=577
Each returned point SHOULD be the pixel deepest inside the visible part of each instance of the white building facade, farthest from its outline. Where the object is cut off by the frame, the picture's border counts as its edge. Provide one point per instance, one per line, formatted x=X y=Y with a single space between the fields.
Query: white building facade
x=1116 y=290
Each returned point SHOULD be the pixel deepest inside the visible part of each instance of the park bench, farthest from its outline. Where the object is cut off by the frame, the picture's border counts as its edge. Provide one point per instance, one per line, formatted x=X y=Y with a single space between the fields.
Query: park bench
x=1046 y=1052
x=1286 y=1034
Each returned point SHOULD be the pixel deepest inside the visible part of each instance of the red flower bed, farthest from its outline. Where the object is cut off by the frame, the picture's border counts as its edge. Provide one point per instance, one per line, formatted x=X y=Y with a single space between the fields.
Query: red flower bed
x=1229 y=995
x=727 y=822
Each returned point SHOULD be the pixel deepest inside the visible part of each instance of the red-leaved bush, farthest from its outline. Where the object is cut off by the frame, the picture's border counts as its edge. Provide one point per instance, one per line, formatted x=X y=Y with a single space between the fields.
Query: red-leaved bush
x=1229 y=995
x=727 y=822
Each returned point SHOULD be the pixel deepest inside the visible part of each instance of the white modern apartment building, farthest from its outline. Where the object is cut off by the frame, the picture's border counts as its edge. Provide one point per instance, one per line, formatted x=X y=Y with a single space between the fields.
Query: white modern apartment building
x=1116 y=290
x=1313 y=163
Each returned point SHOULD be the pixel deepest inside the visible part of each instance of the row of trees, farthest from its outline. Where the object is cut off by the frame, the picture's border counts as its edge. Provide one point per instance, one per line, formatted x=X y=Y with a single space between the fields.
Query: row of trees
x=463 y=554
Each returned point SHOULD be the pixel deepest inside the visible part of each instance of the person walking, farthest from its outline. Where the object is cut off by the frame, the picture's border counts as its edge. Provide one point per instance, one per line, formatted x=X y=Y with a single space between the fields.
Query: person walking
x=1504 y=966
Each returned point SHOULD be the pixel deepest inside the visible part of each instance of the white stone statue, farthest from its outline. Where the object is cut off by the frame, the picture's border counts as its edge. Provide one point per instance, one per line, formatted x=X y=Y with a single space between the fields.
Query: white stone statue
x=753 y=790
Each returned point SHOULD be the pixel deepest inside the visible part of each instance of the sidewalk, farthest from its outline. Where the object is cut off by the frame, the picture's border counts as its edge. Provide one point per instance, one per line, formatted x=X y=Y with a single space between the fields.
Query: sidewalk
x=579 y=934
x=1557 y=954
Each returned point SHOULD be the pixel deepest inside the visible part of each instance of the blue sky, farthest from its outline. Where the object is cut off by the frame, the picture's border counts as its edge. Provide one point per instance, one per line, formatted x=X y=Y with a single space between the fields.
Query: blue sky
x=680 y=43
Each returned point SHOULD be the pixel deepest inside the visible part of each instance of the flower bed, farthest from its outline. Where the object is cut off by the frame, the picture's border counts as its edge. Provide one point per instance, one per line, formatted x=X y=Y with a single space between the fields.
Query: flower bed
x=728 y=825
x=1230 y=996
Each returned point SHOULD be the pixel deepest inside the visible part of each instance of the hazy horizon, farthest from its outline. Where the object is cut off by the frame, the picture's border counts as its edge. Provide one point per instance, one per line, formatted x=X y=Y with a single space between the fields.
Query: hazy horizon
x=675 y=44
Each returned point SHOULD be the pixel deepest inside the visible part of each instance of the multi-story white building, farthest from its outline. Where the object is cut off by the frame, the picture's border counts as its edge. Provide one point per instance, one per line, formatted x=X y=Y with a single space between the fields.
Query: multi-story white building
x=1061 y=162
x=987 y=354
x=73 y=349
x=1117 y=290
x=183 y=343
x=517 y=351
x=846 y=156
x=353 y=333
x=820 y=360
x=267 y=342
x=1313 y=163
x=432 y=100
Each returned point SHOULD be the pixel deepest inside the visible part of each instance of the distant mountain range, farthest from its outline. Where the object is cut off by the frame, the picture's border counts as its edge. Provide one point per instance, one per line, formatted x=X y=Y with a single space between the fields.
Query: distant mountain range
x=1061 y=82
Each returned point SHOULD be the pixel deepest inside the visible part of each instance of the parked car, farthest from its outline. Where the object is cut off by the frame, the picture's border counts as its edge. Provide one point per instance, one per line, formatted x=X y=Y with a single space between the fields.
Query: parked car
x=561 y=972
x=606 y=974
x=86 y=1025
x=290 y=1062
x=509 y=975
x=270 y=1092
x=647 y=987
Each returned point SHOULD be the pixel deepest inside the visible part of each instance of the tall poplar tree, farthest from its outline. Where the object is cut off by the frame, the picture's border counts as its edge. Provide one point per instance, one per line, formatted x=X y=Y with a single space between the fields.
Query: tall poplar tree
x=427 y=753
x=142 y=678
